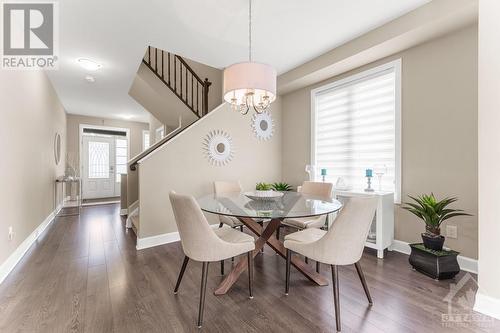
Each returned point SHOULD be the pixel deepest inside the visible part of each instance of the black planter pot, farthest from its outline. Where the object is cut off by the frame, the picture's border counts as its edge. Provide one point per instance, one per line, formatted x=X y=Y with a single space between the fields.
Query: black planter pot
x=438 y=265
x=433 y=242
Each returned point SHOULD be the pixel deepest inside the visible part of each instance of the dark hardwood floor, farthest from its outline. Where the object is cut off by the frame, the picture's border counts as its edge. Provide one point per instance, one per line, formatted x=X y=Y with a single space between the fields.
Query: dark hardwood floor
x=84 y=274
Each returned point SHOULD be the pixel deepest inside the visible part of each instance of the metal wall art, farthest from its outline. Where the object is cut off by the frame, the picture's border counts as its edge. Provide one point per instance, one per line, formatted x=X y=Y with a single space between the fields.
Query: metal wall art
x=262 y=125
x=218 y=147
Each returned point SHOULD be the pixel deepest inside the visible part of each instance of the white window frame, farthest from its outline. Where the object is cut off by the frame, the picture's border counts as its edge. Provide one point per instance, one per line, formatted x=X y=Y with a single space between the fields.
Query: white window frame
x=158 y=133
x=394 y=65
x=144 y=132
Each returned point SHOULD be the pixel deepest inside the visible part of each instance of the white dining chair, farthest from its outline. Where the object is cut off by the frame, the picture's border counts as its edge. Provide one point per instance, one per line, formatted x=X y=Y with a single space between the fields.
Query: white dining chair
x=202 y=243
x=221 y=187
x=341 y=245
x=230 y=187
x=317 y=189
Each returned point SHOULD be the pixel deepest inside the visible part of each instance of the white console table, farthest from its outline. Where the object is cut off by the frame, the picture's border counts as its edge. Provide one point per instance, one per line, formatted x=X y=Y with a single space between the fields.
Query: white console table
x=381 y=233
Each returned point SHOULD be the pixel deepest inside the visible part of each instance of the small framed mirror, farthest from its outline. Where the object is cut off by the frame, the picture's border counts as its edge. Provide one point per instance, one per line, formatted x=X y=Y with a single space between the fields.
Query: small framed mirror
x=57 y=148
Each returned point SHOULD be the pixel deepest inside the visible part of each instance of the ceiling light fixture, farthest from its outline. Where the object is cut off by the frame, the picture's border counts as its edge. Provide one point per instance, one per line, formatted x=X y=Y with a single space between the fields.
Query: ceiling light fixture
x=89 y=78
x=249 y=84
x=88 y=64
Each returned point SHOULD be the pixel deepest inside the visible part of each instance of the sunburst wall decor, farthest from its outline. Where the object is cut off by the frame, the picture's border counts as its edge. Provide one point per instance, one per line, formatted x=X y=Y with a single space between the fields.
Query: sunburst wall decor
x=218 y=147
x=262 y=125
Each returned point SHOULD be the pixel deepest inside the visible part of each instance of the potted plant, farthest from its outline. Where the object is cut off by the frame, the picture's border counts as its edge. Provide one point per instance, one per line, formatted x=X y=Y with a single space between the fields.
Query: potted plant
x=281 y=187
x=433 y=212
x=263 y=190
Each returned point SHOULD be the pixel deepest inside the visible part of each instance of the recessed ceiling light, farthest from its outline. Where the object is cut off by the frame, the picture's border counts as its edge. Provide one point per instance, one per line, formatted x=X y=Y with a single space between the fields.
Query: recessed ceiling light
x=88 y=64
x=126 y=116
x=89 y=78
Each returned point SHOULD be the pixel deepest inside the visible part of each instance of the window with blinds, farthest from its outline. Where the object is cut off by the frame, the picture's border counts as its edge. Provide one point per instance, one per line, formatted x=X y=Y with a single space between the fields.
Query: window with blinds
x=356 y=127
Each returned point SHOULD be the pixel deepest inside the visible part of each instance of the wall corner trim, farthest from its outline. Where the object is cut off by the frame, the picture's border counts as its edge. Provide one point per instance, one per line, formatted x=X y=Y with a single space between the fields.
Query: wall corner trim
x=487 y=305
x=10 y=263
x=171 y=237
x=466 y=264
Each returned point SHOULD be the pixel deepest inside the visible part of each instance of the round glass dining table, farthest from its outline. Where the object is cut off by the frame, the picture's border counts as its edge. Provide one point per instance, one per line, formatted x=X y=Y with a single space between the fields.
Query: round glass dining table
x=290 y=205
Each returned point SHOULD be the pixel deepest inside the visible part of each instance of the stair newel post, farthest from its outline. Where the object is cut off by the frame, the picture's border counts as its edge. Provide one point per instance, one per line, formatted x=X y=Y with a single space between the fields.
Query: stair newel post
x=206 y=85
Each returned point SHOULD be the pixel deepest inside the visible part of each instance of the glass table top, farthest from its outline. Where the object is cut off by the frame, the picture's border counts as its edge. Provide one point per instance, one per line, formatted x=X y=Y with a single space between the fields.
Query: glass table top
x=291 y=204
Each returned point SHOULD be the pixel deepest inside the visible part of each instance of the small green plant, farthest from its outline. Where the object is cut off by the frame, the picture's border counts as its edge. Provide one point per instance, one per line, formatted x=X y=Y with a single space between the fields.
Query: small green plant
x=433 y=212
x=283 y=187
x=263 y=187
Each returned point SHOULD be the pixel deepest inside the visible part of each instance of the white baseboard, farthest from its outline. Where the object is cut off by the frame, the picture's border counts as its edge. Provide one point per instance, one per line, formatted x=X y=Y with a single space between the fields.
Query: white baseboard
x=123 y=211
x=8 y=265
x=466 y=264
x=171 y=237
x=487 y=305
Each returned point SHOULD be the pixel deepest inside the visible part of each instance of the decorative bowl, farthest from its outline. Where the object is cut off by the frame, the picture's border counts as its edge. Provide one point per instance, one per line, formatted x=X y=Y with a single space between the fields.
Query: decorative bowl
x=264 y=195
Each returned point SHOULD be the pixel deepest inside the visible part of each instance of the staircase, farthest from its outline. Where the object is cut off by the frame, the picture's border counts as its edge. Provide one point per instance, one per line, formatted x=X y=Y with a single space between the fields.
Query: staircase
x=176 y=74
x=180 y=78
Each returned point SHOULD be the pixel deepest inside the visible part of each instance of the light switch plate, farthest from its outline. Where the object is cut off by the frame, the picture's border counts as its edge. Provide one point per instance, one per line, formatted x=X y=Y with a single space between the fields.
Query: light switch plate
x=452 y=231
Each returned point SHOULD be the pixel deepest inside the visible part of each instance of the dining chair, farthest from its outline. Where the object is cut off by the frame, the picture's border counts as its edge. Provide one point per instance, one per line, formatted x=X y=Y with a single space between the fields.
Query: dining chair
x=341 y=245
x=317 y=189
x=228 y=187
x=221 y=187
x=202 y=243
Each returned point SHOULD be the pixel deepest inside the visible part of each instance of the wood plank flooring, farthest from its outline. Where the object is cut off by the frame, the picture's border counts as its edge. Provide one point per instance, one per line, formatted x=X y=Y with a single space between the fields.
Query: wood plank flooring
x=85 y=275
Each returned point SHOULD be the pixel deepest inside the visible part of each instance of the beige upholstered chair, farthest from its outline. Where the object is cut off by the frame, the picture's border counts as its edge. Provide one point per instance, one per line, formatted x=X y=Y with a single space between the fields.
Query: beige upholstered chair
x=221 y=187
x=228 y=187
x=202 y=243
x=312 y=188
x=342 y=244
x=318 y=189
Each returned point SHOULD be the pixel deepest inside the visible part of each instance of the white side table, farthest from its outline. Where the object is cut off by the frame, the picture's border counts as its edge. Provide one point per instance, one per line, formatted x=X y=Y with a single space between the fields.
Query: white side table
x=381 y=234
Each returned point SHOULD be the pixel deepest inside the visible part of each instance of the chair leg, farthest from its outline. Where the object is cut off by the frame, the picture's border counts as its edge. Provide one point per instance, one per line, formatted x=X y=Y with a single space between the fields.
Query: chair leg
x=288 y=263
x=363 y=282
x=318 y=266
x=181 y=274
x=306 y=259
x=278 y=233
x=222 y=267
x=336 y=295
x=250 y=273
x=203 y=289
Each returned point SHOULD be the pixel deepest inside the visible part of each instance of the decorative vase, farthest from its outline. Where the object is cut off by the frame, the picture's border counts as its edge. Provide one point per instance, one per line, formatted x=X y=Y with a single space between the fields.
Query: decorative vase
x=267 y=193
x=433 y=242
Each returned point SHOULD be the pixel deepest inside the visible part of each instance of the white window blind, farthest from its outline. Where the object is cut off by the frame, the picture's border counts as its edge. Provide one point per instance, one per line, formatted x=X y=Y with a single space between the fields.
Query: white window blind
x=355 y=128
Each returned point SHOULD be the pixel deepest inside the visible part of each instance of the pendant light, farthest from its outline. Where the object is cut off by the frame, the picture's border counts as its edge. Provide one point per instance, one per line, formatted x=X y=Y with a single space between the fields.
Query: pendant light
x=249 y=84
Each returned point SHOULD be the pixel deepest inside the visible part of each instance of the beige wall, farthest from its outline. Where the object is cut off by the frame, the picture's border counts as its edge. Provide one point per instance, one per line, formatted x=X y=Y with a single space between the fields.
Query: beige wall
x=439 y=130
x=73 y=130
x=31 y=116
x=181 y=166
x=488 y=297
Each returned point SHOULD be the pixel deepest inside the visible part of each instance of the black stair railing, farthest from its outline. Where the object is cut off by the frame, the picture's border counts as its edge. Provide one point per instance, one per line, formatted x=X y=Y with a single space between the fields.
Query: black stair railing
x=182 y=80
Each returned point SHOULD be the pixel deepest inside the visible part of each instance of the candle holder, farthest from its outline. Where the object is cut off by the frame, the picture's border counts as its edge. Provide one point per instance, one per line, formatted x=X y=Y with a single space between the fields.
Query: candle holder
x=369 y=182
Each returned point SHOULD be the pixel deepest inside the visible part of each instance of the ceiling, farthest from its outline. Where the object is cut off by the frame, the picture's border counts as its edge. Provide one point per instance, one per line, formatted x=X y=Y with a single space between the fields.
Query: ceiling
x=115 y=33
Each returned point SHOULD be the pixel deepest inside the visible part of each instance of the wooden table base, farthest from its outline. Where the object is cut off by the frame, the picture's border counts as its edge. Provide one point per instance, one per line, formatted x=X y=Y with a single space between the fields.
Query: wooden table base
x=265 y=236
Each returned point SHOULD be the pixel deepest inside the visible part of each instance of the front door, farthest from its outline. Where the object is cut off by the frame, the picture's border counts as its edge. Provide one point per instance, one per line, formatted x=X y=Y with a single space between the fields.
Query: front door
x=98 y=172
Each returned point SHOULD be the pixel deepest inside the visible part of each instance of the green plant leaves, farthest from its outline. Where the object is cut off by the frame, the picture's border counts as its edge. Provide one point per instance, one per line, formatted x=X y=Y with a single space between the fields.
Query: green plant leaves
x=432 y=211
x=283 y=187
x=263 y=187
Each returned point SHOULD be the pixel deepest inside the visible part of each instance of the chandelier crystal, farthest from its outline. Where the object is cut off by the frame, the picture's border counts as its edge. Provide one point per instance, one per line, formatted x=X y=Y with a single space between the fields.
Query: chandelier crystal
x=249 y=84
